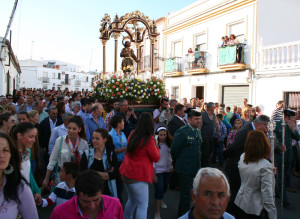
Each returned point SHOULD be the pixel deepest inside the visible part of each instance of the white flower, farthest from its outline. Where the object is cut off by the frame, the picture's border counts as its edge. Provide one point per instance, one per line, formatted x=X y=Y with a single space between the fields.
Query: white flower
x=155 y=94
x=134 y=91
x=159 y=96
x=154 y=85
x=121 y=96
x=106 y=90
x=117 y=89
x=112 y=97
x=151 y=82
x=143 y=96
x=146 y=97
x=158 y=83
x=126 y=94
x=113 y=81
x=118 y=79
x=109 y=90
x=123 y=92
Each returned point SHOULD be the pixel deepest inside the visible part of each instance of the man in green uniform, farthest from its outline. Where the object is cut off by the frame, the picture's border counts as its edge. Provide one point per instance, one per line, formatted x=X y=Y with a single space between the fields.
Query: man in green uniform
x=186 y=153
x=290 y=133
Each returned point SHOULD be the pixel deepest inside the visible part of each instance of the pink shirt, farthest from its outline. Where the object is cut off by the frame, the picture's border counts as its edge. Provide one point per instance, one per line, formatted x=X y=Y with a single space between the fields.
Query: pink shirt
x=111 y=208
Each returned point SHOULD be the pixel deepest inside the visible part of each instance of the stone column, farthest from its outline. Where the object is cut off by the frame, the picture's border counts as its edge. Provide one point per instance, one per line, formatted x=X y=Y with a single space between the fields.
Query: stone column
x=104 y=58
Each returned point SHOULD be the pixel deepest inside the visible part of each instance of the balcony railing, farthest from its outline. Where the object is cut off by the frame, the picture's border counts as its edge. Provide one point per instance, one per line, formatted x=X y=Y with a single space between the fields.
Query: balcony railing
x=45 y=80
x=285 y=55
x=195 y=60
x=66 y=82
x=231 y=54
x=77 y=83
x=173 y=64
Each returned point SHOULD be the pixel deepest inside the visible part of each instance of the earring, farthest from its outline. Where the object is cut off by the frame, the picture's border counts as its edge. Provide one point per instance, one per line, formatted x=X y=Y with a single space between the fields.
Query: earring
x=9 y=171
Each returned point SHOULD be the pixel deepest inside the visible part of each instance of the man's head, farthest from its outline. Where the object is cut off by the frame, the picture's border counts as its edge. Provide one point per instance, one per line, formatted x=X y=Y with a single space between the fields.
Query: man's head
x=228 y=109
x=87 y=105
x=239 y=110
x=89 y=187
x=279 y=104
x=193 y=102
x=69 y=172
x=288 y=114
x=245 y=101
x=75 y=107
x=97 y=110
x=66 y=116
x=220 y=117
x=23 y=117
x=179 y=110
x=39 y=106
x=116 y=106
x=210 y=107
x=123 y=104
x=173 y=103
x=9 y=97
x=210 y=193
x=194 y=117
x=164 y=102
x=29 y=99
x=52 y=113
x=261 y=123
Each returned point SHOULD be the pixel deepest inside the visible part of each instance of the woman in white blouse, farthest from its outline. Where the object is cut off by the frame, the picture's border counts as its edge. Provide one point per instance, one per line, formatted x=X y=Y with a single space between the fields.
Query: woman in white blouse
x=255 y=197
x=68 y=148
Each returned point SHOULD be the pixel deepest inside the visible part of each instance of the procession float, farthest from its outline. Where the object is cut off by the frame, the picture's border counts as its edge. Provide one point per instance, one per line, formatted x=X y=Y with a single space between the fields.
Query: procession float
x=142 y=93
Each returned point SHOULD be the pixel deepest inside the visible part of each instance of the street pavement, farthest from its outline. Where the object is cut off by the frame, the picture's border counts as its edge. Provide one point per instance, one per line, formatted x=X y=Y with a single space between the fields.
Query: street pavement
x=172 y=198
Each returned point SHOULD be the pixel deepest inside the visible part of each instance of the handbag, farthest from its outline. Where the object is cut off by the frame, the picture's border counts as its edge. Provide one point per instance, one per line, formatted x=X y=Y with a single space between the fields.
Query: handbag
x=54 y=178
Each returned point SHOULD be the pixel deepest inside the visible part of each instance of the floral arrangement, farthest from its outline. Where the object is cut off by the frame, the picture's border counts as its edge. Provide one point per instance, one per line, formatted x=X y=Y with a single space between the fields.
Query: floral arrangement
x=130 y=88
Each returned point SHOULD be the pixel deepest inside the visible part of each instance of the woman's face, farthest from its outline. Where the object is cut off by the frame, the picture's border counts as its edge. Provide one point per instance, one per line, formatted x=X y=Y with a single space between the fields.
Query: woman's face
x=10 y=122
x=73 y=130
x=162 y=135
x=35 y=119
x=98 y=141
x=4 y=154
x=28 y=138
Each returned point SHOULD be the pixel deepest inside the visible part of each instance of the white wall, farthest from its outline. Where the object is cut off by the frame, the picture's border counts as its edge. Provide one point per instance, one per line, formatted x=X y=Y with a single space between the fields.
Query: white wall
x=278 y=21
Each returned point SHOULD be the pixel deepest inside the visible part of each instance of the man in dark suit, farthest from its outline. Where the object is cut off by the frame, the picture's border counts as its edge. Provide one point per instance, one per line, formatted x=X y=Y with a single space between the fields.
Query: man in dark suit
x=28 y=106
x=235 y=150
x=177 y=120
x=45 y=128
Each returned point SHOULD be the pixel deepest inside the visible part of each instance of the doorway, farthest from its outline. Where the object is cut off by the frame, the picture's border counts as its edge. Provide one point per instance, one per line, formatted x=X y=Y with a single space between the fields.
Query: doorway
x=200 y=92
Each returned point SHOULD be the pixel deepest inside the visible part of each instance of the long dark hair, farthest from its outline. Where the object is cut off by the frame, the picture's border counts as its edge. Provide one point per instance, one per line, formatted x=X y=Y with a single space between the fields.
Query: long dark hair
x=168 y=141
x=79 y=123
x=109 y=145
x=22 y=128
x=13 y=180
x=144 y=129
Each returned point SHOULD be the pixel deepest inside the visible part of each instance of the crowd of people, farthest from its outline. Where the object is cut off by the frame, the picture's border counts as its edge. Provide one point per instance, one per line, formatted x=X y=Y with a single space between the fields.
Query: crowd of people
x=74 y=151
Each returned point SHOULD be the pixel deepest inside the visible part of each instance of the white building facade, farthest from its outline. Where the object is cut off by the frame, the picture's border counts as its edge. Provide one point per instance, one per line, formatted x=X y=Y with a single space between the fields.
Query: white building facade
x=252 y=75
x=54 y=74
x=9 y=69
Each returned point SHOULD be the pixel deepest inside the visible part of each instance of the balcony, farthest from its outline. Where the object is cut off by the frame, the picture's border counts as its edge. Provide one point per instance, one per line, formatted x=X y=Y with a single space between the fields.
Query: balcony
x=45 y=80
x=145 y=63
x=173 y=66
x=231 y=57
x=195 y=63
x=66 y=82
x=280 y=56
x=77 y=83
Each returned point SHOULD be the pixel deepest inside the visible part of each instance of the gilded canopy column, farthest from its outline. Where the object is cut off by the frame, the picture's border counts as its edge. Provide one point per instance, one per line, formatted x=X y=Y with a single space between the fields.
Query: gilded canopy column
x=104 y=58
x=116 y=36
x=138 y=45
x=152 y=40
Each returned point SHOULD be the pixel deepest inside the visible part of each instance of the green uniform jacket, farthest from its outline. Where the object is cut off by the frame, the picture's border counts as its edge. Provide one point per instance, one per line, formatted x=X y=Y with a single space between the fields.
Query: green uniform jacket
x=186 y=150
x=289 y=135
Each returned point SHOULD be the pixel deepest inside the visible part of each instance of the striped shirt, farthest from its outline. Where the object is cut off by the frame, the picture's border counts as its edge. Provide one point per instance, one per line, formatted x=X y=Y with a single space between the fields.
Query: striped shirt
x=277 y=115
x=60 y=195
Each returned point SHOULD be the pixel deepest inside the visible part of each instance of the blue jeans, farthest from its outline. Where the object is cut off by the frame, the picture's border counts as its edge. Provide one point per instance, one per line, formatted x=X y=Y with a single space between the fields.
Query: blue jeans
x=218 y=147
x=162 y=185
x=138 y=196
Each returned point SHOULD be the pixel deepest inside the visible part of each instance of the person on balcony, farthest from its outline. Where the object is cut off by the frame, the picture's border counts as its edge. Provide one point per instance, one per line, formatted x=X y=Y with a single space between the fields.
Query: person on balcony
x=190 y=57
x=233 y=40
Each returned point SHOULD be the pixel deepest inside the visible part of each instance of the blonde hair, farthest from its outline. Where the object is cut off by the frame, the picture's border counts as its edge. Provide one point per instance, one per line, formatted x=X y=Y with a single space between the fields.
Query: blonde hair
x=11 y=107
x=32 y=113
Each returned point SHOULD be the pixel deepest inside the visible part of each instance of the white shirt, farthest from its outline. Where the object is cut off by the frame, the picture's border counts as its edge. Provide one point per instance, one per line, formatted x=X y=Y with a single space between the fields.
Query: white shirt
x=52 y=125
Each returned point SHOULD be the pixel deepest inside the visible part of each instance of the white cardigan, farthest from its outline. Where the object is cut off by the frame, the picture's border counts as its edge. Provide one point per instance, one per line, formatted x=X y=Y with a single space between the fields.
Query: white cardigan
x=257 y=187
x=65 y=155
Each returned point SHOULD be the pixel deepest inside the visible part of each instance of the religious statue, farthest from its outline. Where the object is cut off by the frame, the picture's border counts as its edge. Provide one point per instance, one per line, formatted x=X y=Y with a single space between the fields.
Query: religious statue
x=128 y=56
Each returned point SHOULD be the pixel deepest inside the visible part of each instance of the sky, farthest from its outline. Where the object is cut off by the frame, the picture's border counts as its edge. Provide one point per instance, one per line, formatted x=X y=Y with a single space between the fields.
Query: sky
x=68 y=30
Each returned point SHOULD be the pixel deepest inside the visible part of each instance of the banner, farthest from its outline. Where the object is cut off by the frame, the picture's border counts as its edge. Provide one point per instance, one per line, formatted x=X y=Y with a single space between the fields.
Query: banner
x=170 y=65
x=227 y=55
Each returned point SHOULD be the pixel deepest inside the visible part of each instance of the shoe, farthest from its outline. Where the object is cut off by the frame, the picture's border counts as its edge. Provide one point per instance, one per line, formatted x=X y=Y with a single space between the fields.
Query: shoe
x=290 y=189
x=157 y=216
x=286 y=204
x=163 y=205
x=295 y=173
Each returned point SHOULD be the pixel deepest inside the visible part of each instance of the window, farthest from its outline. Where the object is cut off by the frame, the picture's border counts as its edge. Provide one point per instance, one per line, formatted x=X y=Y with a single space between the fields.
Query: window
x=175 y=92
x=87 y=79
x=58 y=75
x=238 y=29
x=53 y=75
x=177 y=49
x=50 y=64
x=74 y=76
x=201 y=42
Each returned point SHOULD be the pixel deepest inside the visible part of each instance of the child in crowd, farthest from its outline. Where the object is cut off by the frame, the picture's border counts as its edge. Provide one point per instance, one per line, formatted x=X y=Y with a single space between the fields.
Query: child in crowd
x=201 y=60
x=162 y=169
x=196 y=57
x=228 y=113
x=219 y=141
x=66 y=189
x=237 y=125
